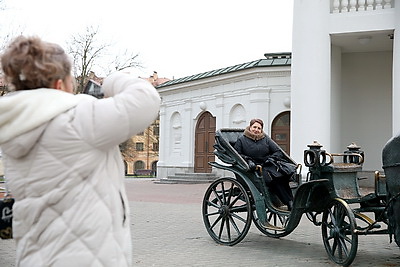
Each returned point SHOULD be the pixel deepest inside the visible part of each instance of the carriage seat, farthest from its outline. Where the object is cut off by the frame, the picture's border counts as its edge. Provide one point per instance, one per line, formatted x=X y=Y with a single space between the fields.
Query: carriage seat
x=231 y=135
x=225 y=140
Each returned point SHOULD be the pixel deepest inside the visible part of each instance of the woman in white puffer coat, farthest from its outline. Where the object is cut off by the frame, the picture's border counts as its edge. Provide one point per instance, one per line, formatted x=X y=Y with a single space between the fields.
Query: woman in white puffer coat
x=62 y=161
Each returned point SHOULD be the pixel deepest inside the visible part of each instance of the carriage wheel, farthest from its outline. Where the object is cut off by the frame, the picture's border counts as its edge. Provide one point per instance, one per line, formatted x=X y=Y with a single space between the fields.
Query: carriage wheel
x=227 y=211
x=276 y=223
x=338 y=233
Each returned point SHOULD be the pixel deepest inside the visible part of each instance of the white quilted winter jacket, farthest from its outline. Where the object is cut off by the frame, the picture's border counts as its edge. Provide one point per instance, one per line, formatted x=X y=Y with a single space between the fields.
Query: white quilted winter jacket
x=66 y=173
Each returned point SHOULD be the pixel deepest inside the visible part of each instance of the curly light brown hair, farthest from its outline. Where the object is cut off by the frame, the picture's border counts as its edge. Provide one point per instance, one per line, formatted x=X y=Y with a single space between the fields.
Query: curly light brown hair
x=30 y=63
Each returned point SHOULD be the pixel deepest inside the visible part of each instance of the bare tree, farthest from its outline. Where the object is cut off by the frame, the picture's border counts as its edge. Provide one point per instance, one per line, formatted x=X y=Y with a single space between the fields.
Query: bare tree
x=5 y=39
x=85 y=51
x=126 y=60
x=127 y=149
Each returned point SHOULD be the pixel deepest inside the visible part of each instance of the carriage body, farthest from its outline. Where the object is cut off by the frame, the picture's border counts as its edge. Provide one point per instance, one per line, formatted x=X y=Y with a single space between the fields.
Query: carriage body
x=330 y=197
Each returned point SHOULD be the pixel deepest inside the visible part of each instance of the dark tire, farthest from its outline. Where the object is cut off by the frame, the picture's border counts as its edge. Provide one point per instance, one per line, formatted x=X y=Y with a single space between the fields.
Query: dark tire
x=340 y=240
x=227 y=211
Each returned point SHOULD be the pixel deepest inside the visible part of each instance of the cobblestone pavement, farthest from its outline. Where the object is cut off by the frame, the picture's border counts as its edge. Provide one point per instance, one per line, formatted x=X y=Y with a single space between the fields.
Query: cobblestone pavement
x=167 y=230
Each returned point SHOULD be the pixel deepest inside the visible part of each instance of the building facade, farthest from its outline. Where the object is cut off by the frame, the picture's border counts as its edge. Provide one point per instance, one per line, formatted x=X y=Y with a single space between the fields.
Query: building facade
x=141 y=151
x=194 y=107
x=345 y=76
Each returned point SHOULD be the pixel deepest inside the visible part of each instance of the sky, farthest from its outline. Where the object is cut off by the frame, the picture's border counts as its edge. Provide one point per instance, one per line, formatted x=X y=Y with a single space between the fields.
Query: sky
x=176 y=38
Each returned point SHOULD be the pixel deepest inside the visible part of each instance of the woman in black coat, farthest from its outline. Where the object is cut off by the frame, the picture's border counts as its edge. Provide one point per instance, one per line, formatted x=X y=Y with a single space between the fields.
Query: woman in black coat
x=257 y=149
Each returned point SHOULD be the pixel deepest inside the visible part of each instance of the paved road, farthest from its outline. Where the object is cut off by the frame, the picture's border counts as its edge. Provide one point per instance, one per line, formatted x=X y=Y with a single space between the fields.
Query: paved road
x=167 y=230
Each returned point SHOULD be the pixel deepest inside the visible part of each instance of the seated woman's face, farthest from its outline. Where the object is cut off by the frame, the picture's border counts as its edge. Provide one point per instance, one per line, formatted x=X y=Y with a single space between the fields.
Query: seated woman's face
x=256 y=128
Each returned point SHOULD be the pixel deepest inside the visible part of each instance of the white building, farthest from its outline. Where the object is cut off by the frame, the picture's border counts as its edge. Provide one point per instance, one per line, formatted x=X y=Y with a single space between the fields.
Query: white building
x=341 y=84
x=1 y=166
x=345 y=76
x=194 y=107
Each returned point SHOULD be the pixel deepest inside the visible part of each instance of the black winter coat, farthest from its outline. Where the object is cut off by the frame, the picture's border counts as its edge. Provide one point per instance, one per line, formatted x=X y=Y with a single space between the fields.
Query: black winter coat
x=257 y=148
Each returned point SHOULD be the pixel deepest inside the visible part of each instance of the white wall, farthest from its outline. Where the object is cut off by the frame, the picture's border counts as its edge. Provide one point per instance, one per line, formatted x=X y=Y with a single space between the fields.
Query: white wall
x=366 y=112
x=336 y=83
x=396 y=72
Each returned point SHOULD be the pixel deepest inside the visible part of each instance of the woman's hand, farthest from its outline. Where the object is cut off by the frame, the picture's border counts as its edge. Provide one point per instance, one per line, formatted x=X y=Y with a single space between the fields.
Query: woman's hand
x=252 y=165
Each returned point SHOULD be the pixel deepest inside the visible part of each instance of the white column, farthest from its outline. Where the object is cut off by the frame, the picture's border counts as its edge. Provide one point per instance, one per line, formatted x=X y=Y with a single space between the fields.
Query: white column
x=310 y=84
x=353 y=4
x=221 y=120
x=188 y=135
x=163 y=143
x=388 y=4
x=396 y=76
x=335 y=6
x=378 y=4
x=344 y=4
x=370 y=5
x=361 y=5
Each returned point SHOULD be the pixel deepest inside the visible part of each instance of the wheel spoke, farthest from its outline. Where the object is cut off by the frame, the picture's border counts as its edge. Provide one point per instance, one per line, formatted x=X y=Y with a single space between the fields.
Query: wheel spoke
x=223 y=193
x=213 y=203
x=221 y=228
x=334 y=246
x=343 y=247
x=241 y=208
x=211 y=213
x=238 y=217
x=216 y=222
x=282 y=219
x=217 y=196
x=228 y=228
x=234 y=201
x=234 y=225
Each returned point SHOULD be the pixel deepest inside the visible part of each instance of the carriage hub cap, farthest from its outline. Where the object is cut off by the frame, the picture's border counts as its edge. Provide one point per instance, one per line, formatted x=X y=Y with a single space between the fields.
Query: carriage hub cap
x=224 y=210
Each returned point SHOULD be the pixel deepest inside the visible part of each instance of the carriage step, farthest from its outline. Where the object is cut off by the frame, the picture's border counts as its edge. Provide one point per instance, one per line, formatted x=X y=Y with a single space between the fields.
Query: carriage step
x=269 y=226
x=375 y=226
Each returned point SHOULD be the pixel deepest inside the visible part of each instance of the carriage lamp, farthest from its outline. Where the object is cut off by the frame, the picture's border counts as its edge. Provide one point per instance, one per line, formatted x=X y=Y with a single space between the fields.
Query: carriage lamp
x=354 y=154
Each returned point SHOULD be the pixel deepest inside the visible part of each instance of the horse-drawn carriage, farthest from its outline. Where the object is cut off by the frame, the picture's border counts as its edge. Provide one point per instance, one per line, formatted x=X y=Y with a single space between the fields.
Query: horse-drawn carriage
x=330 y=197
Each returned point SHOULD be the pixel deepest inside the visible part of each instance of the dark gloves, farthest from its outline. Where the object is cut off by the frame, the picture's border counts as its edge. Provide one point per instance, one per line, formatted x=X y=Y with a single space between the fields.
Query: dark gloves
x=252 y=165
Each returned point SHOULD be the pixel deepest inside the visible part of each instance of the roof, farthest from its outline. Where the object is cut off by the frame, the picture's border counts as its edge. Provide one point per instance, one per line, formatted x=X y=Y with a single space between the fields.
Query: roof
x=270 y=60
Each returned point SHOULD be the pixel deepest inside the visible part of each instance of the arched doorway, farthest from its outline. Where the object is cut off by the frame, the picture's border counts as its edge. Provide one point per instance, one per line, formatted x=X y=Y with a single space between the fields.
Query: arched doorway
x=280 y=132
x=204 y=141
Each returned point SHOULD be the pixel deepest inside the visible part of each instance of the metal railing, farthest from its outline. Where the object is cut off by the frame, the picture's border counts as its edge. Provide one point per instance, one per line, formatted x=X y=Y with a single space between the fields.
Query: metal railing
x=344 y=6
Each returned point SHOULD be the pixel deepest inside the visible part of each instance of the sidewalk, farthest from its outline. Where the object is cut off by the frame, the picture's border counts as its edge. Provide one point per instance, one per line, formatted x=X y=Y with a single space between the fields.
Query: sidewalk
x=167 y=230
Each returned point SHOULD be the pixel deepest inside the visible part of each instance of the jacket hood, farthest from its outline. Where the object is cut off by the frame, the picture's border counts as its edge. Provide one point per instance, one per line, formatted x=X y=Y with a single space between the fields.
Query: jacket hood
x=24 y=114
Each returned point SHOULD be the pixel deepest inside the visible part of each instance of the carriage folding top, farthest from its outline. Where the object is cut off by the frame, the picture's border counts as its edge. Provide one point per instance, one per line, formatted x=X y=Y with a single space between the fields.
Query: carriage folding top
x=231 y=204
